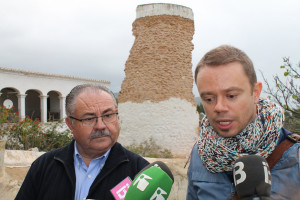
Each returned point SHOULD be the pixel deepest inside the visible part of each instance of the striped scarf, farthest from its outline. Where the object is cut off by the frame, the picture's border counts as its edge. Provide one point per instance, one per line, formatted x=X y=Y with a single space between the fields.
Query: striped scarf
x=259 y=137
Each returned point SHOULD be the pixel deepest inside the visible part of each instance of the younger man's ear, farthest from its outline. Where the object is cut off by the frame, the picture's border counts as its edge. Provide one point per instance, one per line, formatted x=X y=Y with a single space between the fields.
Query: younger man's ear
x=256 y=91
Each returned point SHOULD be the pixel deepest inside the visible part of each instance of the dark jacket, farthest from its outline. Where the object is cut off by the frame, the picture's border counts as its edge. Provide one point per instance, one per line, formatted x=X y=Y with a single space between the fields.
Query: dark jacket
x=52 y=175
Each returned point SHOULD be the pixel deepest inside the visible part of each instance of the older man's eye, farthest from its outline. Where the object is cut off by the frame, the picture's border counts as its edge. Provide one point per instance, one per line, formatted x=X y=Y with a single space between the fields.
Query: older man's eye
x=89 y=119
x=107 y=116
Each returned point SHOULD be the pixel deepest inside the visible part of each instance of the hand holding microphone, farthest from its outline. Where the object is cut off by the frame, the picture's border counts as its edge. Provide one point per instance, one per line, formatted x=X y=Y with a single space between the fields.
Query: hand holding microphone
x=252 y=178
x=154 y=182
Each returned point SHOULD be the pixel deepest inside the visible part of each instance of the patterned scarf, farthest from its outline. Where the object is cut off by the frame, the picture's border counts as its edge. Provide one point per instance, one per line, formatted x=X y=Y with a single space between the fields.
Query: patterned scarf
x=259 y=137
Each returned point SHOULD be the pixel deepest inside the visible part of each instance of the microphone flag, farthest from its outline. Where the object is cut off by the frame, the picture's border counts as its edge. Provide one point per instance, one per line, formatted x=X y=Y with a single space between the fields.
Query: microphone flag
x=152 y=183
x=120 y=190
x=252 y=177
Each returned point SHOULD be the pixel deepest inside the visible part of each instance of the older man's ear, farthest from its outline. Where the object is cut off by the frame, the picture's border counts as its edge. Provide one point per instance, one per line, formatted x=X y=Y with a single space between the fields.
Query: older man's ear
x=69 y=123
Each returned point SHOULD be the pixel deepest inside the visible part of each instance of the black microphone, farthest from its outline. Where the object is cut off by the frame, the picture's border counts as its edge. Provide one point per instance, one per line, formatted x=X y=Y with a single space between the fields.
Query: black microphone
x=252 y=178
x=161 y=165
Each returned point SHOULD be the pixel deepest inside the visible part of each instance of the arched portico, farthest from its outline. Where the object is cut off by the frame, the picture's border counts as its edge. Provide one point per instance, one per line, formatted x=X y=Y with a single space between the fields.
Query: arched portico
x=43 y=96
x=9 y=98
x=33 y=104
x=53 y=106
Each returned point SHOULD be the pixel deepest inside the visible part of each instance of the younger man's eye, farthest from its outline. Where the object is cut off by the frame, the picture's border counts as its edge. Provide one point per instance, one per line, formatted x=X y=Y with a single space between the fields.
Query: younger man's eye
x=232 y=96
x=208 y=99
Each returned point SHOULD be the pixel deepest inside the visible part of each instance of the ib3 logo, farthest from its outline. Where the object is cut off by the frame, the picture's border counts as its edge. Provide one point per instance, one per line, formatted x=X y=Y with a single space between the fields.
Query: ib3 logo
x=239 y=172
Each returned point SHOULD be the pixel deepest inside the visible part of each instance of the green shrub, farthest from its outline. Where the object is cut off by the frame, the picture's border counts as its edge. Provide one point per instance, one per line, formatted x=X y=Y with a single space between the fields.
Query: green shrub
x=149 y=148
x=292 y=122
x=28 y=133
x=54 y=137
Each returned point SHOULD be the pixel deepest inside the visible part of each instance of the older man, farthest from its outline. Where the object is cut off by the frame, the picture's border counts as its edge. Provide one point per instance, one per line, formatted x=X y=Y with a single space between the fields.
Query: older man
x=238 y=122
x=94 y=162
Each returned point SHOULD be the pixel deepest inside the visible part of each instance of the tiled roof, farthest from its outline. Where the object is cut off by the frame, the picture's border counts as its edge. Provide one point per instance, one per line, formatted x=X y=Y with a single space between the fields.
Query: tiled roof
x=50 y=75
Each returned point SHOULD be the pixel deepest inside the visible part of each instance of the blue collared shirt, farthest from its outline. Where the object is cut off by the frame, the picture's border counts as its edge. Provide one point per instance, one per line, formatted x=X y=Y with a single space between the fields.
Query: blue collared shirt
x=85 y=175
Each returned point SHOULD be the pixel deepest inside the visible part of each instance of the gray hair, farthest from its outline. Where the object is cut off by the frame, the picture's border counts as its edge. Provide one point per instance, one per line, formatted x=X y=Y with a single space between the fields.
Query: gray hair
x=72 y=96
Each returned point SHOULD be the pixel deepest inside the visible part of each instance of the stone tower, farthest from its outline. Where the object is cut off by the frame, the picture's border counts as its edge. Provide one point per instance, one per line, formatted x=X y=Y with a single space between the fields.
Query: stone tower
x=156 y=98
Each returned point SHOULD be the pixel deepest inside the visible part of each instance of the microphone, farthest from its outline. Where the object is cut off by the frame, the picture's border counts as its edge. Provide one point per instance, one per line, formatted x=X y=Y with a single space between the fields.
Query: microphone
x=154 y=182
x=252 y=178
x=161 y=165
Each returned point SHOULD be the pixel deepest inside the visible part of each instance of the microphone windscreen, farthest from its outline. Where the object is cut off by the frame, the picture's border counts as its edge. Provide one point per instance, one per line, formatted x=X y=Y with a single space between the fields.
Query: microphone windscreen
x=152 y=183
x=252 y=177
x=161 y=165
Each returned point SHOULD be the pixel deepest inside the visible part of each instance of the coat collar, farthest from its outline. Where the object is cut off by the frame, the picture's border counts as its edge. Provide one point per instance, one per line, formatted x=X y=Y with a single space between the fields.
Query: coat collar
x=116 y=156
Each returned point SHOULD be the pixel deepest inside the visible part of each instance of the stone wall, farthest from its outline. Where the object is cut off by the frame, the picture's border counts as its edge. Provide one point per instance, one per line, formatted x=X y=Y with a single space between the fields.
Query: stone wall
x=17 y=164
x=2 y=151
x=156 y=98
x=159 y=65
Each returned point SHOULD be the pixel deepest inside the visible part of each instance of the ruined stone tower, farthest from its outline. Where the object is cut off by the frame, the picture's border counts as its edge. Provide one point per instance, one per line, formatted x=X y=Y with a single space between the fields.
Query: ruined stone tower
x=156 y=98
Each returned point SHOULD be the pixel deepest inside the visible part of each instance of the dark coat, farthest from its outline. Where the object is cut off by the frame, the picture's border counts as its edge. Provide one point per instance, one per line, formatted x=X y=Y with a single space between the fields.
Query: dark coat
x=52 y=175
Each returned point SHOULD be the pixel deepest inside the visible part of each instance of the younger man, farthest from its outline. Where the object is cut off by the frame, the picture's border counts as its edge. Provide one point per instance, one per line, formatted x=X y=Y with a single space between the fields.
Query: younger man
x=237 y=122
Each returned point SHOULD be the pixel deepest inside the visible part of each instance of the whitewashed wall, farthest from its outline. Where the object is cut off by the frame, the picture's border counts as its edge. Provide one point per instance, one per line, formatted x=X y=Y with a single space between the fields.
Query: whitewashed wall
x=38 y=86
x=173 y=124
x=25 y=80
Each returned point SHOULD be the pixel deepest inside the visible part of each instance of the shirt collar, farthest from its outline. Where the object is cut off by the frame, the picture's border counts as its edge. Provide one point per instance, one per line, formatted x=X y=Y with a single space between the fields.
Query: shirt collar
x=78 y=157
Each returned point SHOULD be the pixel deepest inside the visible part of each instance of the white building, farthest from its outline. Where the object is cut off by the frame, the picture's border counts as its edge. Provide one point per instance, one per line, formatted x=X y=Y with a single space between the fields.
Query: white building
x=38 y=95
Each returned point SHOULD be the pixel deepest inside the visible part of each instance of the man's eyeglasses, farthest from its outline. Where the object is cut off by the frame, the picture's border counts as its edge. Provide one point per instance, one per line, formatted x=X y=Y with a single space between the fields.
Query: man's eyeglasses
x=92 y=121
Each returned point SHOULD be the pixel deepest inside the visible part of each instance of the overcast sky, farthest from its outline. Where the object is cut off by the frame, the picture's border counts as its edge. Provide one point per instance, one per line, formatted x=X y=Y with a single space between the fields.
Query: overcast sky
x=92 y=38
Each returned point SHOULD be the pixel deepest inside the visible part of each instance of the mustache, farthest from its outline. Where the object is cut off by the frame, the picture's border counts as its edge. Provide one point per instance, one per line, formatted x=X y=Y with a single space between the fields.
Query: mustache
x=100 y=133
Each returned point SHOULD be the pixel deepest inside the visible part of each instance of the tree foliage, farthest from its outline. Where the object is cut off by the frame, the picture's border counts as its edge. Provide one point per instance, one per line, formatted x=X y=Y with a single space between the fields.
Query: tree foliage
x=200 y=108
x=286 y=94
x=286 y=91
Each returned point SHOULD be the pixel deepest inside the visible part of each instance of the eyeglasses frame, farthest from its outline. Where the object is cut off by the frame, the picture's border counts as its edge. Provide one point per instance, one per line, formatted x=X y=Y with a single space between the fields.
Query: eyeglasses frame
x=96 y=117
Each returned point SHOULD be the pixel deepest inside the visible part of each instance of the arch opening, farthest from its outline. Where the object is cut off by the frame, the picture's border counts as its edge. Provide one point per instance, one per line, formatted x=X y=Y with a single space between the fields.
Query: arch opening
x=53 y=109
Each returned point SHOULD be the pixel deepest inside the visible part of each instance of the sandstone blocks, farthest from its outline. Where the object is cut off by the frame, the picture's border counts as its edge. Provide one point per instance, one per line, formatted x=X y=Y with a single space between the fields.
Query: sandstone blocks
x=156 y=98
